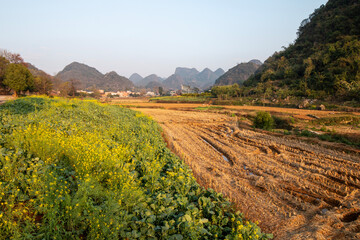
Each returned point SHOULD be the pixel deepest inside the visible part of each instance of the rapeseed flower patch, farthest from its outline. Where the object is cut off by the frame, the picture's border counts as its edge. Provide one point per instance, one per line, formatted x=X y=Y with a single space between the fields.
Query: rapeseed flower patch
x=72 y=169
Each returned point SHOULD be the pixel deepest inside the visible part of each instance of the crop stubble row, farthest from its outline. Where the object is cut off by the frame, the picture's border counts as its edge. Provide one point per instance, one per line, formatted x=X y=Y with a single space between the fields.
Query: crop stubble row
x=294 y=189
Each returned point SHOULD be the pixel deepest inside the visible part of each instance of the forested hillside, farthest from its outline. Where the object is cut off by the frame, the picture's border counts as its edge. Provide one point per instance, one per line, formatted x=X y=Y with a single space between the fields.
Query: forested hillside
x=324 y=60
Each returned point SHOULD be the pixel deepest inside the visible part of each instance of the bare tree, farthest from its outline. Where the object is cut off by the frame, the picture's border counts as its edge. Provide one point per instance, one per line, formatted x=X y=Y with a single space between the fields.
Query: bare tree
x=12 y=57
x=74 y=85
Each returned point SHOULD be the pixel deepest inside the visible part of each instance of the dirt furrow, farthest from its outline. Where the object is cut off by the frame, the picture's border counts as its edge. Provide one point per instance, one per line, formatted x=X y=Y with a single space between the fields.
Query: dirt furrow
x=295 y=190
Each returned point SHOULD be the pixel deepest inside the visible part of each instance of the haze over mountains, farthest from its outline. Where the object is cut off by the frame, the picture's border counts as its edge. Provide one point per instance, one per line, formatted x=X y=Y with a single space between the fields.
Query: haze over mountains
x=193 y=78
x=90 y=77
x=135 y=78
x=181 y=76
x=151 y=78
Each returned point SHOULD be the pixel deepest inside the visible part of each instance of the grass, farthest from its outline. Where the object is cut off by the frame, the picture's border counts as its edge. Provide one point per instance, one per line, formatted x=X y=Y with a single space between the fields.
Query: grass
x=209 y=108
x=72 y=169
x=264 y=121
x=343 y=120
x=181 y=99
x=330 y=137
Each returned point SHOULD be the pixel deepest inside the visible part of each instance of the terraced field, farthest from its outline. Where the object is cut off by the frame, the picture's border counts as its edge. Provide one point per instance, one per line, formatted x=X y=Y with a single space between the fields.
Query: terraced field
x=297 y=190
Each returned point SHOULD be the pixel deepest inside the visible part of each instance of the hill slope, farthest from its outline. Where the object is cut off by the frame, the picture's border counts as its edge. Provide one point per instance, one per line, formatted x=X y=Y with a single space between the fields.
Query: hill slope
x=324 y=61
x=186 y=73
x=151 y=78
x=219 y=72
x=174 y=82
x=89 y=77
x=239 y=73
x=206 y=76
x=114 y=81
x=135 y=78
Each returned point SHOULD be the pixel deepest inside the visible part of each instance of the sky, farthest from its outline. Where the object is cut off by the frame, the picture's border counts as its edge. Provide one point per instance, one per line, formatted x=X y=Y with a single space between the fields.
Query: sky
x=149 y=36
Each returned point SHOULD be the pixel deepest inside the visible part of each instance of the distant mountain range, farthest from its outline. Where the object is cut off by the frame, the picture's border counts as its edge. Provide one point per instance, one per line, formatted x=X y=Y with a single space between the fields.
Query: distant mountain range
x=239 y=73
x=182 y=76
x=89 y=77
x=194 y=78
x=151 y=78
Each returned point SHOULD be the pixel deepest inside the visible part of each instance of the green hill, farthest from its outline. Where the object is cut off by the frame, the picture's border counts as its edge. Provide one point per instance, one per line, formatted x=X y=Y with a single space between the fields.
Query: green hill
x=324 y=60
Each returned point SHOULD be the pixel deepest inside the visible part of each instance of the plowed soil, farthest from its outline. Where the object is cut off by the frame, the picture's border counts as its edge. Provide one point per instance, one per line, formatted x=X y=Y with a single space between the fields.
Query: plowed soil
x=295 y=189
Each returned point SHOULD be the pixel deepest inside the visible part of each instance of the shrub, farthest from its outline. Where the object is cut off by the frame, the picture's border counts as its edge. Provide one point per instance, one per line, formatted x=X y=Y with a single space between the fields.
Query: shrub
x=264 y=121
x=286 y=132
x=282 y=123
x=307 y=133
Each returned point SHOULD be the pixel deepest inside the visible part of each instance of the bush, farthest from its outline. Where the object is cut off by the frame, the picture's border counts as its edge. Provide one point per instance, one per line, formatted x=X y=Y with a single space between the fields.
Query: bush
x=282 y=123
x=307 y=133
x=264 y=121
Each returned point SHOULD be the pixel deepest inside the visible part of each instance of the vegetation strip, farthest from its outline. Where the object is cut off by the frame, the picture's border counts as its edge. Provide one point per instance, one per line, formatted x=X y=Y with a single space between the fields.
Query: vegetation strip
x=74 y=169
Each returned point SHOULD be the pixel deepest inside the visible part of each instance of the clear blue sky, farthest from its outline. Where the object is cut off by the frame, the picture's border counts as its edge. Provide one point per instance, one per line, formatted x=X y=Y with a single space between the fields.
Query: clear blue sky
x=149 y=36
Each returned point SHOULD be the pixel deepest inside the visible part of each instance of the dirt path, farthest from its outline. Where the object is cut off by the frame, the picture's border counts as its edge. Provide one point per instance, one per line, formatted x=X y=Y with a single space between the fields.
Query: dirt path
x=294 y=189
x=4 y=98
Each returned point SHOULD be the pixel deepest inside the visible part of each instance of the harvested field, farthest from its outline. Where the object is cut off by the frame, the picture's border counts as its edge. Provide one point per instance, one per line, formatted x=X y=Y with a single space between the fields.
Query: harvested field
x=303 y=112
x=295 y=189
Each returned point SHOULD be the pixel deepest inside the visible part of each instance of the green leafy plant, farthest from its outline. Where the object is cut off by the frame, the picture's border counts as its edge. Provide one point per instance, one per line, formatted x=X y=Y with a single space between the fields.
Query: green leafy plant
x=263 y=120
x=282 y=123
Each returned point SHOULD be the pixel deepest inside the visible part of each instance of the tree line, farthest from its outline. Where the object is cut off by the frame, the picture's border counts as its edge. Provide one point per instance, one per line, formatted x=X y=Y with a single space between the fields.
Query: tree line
x=17 y=76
